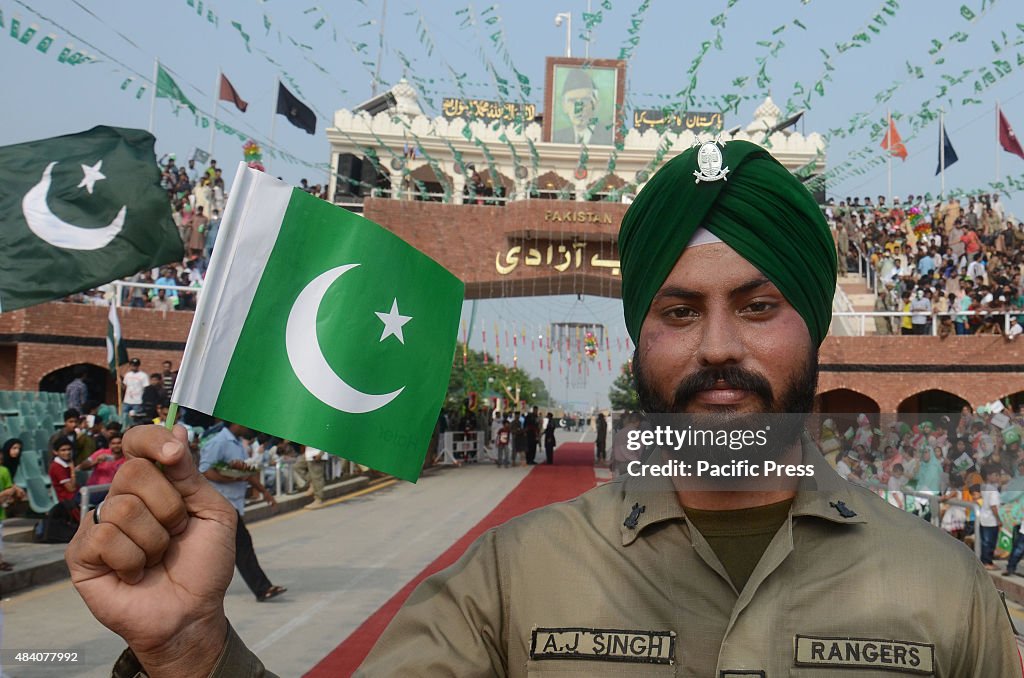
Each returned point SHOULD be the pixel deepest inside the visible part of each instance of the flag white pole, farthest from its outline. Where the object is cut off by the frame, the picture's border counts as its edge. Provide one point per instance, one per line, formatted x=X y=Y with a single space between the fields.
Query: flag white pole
x=216 y=100
x=888 y=144
x=942 y=154
x=273 y=119
x=997 y=140
x=152 y=103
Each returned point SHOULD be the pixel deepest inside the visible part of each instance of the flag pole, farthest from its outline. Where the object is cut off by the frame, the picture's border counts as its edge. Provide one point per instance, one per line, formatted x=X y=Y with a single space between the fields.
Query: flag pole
x=273 y=118
x=172 y=414
x=152 y=103
x=942 y=153
x=997 y=141
x=888 y=148
x=117 y=376
x=216 y=100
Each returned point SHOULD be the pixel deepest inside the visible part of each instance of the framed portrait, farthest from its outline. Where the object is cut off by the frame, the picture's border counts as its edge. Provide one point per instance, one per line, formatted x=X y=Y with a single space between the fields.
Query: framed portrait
x=583 y=100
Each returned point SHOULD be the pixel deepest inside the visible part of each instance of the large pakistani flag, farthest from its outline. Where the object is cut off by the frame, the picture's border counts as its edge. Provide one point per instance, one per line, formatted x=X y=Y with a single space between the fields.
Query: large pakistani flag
x=321 y=327
x=78 y=211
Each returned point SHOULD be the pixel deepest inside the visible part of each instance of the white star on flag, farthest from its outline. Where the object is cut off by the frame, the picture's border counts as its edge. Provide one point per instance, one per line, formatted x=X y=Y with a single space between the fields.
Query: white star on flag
x=393 y=322
x=90 y=175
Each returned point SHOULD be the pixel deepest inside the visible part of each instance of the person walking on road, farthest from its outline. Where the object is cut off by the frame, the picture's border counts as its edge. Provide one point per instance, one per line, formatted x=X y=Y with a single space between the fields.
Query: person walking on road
x=310 y=468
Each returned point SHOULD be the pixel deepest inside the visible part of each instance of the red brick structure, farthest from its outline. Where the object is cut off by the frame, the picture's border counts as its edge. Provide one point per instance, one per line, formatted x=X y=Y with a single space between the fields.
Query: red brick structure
x=870 y=374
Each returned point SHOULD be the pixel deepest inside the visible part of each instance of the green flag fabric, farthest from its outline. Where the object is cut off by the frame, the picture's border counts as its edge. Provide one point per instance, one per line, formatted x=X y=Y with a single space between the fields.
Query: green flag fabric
x=321 y=327
x=117 y=354
x=78 y=211
x=168 y=89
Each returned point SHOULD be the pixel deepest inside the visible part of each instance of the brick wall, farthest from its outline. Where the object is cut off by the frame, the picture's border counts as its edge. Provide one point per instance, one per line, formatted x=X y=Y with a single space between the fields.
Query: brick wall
x=468 y=240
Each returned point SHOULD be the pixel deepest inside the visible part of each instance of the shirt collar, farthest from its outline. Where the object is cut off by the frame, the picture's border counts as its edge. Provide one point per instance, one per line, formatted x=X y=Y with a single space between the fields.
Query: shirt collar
x=827 y=496
x=63 y=463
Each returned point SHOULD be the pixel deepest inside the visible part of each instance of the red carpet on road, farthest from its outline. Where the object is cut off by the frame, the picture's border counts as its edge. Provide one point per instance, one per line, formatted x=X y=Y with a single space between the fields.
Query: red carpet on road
x=571 y=475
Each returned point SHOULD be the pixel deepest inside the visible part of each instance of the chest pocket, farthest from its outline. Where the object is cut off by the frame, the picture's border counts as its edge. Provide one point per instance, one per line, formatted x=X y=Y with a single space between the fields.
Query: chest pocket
x=580 y=651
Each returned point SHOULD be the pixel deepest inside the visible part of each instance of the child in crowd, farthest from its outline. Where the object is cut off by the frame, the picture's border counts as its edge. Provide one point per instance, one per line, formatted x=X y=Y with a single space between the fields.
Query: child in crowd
x=502 y=440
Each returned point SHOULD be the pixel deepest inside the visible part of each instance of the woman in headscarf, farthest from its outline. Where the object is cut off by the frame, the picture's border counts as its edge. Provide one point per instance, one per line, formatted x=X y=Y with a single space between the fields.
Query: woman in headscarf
x=12 y=455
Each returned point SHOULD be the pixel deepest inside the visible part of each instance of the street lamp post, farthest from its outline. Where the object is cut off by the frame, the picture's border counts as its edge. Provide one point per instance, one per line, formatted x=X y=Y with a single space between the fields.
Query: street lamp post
x=567 y=17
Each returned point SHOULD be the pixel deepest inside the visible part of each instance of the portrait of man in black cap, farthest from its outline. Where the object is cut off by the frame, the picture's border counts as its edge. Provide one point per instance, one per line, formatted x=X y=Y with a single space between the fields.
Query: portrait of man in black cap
x=582 y=104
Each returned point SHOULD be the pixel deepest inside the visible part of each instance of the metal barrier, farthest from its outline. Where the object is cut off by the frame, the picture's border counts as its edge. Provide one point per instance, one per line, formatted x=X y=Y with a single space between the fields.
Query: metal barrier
x=933 y=317
x=86 y=492
x=456 y=444
x=934 y=501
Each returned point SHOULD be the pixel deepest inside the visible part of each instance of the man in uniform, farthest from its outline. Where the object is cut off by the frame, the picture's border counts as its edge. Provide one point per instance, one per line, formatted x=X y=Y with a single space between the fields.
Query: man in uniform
x=727 y=289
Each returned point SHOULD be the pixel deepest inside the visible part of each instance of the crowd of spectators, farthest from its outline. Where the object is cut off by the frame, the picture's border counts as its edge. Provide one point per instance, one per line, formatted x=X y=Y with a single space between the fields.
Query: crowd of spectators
x=975 y=457
x=941 y=259
x=197 y=196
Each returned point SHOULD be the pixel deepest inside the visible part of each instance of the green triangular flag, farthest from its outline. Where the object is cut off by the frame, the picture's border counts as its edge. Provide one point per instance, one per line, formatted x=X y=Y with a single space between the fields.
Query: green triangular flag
x=168 y=89
x=321 y=327
x=78 y=211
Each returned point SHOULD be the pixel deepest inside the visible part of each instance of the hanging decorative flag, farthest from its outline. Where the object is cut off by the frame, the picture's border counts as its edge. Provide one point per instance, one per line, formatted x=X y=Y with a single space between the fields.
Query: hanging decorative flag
x=1007 y=139
x=348 y=323
x=297 y=113
x=590 y=345
x=947 y=156
x=229 y=93
x=892 y=142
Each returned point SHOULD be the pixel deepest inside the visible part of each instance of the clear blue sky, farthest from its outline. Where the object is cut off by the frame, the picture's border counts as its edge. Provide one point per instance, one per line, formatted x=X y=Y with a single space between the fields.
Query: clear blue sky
x=440 y=38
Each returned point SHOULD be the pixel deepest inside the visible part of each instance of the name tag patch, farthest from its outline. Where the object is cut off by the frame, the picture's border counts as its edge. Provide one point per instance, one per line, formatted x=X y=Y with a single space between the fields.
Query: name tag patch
x=612 y=645
x=874 y=653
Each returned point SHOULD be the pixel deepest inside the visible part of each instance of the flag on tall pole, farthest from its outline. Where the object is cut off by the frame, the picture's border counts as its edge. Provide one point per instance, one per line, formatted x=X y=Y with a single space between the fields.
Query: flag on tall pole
x=1007 y=139
x=229 y=93
x=892 y=141
x=353 y=329
x=947 y=156
x=298 y=113
x=117 y=354
x=166 y=88
x=78 y=211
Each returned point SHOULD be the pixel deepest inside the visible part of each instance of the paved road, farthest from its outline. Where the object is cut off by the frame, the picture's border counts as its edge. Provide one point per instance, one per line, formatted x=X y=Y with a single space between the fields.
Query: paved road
x=339 y=564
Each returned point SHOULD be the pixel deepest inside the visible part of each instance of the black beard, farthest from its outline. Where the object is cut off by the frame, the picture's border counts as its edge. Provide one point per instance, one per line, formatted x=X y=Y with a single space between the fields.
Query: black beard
x=795 y=400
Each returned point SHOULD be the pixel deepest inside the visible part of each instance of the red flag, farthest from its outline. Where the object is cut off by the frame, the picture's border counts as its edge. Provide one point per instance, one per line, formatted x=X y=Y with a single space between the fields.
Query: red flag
x=1007 y=139
x=228 y=93
x=892 y=142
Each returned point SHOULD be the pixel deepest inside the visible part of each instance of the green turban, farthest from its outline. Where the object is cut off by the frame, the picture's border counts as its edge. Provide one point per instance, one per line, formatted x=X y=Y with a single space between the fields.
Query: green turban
x=759 y=209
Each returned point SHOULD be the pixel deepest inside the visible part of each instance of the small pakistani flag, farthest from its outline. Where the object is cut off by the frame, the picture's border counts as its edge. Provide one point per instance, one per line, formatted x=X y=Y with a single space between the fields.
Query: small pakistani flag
x=117 y=354
x=321 y=327
x=78 y=211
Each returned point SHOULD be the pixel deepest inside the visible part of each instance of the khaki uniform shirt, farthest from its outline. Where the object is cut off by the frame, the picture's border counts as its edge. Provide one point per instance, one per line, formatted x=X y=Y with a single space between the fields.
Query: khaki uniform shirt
x=849 y=586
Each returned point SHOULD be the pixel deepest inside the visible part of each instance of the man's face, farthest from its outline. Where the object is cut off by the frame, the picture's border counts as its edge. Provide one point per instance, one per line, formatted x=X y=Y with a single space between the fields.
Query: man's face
x=64 y=452
x=115 y=445
x=720 y=338
x=70 y=423
x=154 y=381
x=167 y=368
x=581 y=106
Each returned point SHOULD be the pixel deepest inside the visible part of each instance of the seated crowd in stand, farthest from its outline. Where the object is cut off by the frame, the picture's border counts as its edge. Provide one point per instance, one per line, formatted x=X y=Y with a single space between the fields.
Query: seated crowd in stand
x=975 y=457
x=197 y=197
x=927 y=258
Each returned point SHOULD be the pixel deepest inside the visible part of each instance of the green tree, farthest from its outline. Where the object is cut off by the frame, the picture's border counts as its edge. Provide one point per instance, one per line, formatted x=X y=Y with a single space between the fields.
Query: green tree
x=623 y=392
x=490 y=379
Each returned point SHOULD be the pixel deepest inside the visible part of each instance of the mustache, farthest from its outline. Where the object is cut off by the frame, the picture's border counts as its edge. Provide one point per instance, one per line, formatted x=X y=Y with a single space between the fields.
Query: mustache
x=731 y=375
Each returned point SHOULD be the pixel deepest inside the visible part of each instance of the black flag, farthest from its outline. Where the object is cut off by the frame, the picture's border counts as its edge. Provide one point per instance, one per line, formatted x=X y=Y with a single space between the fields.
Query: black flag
x=946 y=152
x=298 y=113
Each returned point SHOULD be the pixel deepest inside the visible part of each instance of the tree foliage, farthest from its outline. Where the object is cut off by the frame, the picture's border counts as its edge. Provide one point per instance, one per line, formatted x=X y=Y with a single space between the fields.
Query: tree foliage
x=491 y=379
x=623 y=391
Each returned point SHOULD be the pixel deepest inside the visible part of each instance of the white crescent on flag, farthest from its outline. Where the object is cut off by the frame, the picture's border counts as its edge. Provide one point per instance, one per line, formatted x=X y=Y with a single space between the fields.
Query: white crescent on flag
x=308 y=361
x=59 y=233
